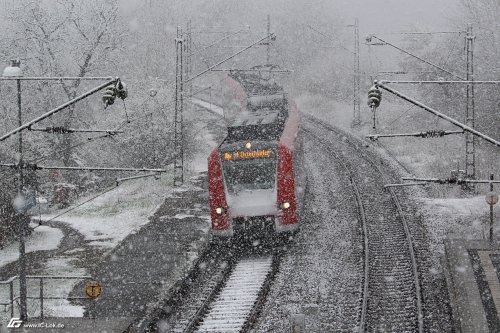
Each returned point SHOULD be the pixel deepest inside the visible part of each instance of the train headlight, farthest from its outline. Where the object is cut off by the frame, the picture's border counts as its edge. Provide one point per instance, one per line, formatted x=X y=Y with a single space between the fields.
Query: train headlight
x=219 y=210
x=285 y=205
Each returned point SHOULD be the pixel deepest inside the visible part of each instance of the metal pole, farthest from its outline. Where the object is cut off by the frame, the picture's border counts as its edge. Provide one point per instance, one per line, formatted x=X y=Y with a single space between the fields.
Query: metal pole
x=268 y=40
x=41 y=297
x=22 y=222
x=178 y=117
x=42 y=167
x=423 y=134
x=470 y=142
x=373 y=113
x=439 y=114
x=404 y=184
x=356 y=121
x=491 y=211
x=417 y=57
x=59 y=108
x=229 y=58
x=11 y=287
x=58 y=78
x=440 y=82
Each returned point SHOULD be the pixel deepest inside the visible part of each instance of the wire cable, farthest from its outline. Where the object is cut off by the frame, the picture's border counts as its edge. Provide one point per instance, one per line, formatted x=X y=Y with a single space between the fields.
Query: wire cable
x=79 y=205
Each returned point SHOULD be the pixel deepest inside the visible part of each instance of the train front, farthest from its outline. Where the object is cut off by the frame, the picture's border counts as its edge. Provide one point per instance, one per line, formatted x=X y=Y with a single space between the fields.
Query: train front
x=248 y=189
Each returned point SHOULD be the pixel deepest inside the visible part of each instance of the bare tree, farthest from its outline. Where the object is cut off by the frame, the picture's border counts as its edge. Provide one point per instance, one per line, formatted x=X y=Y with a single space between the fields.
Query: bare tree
x=68 y=38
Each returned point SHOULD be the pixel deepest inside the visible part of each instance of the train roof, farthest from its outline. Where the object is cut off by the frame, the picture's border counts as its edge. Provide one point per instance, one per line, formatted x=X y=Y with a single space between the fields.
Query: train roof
x=263 y=125
x=266 y=110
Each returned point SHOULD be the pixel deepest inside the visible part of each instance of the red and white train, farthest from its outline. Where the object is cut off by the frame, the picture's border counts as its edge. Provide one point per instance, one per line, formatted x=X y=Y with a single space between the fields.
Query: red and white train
x=255 y=176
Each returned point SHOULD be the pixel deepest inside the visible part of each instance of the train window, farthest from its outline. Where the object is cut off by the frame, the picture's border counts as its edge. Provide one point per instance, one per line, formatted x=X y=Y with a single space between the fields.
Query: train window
x=252 y=174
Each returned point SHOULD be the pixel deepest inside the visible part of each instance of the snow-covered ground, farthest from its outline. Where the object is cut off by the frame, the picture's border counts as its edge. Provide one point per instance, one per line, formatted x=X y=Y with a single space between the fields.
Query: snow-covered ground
x=103 y=222
x=42 y=238
x=447 y=210
x=466 y=218
x=109 y=218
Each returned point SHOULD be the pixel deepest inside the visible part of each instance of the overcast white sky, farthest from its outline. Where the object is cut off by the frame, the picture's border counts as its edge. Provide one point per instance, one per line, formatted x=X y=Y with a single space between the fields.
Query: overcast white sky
x=399 y=15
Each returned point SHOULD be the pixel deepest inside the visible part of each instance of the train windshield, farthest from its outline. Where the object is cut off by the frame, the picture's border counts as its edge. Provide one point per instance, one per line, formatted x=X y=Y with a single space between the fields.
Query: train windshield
x=250 y=174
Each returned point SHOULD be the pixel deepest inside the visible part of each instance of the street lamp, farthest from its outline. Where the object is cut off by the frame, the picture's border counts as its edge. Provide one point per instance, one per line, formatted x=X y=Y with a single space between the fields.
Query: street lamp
x=14 y=70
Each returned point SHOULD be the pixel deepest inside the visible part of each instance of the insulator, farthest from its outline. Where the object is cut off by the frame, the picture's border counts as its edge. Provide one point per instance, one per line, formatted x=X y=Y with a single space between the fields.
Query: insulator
x=58 y=129
x=373 y=102
x=109 y=95
x=374 y=97
x=121 y=90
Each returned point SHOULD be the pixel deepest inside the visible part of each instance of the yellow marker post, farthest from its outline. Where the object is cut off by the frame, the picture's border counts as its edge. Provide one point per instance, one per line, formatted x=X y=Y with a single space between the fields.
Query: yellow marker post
x=93 y=290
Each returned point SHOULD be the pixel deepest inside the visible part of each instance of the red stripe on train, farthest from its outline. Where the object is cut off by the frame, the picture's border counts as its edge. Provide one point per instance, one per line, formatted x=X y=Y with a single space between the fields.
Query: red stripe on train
x=286 y=185
x=217 y=194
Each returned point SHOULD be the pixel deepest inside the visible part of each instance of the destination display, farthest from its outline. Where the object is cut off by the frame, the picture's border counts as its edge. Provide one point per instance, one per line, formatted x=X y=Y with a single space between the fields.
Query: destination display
x=239 y=155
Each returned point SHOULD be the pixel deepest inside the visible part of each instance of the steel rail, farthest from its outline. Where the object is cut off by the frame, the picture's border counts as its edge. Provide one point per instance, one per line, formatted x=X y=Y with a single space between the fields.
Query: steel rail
x=201 y=311
x=256 y=310
x=420 y=316
x=175 y=296
x=418 y=290
x=253 y=286
x=361 y=208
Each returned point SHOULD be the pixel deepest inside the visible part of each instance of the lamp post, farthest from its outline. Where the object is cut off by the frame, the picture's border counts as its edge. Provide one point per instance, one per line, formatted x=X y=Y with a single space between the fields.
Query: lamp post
x=14 y=70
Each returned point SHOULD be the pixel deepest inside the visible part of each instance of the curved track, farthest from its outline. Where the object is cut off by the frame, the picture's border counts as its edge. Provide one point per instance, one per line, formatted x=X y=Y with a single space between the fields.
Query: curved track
x=390 y=296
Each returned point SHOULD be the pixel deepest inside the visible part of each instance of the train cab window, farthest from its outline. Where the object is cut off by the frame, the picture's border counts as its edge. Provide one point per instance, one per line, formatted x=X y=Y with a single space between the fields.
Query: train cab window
x=251 y=174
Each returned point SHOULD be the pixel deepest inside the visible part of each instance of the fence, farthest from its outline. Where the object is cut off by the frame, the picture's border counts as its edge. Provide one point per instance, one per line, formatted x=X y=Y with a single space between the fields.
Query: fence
x=41 y=295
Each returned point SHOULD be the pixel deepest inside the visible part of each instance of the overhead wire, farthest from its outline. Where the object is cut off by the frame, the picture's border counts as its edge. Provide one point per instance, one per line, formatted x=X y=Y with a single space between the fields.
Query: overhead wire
x=78 y=205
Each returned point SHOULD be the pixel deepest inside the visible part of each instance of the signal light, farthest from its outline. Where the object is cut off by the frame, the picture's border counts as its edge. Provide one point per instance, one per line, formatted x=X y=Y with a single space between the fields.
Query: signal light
x=219 y=210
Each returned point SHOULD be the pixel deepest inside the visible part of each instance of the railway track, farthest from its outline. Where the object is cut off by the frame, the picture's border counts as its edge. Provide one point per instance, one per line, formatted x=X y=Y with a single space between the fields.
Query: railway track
x=233 y=305
x=390 y=298
x=224 y=293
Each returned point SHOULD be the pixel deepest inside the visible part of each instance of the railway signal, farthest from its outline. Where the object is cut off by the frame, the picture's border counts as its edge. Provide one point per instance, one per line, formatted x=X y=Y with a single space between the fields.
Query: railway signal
x=374 y=99
x=117 y=90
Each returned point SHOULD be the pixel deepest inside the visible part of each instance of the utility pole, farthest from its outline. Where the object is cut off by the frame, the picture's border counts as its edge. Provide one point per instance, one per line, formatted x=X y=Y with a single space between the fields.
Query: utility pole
x=14 y=71
x=268 y=54
x=189 y=66
x=179 y=104
x=470 y=154
x=356 y=121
